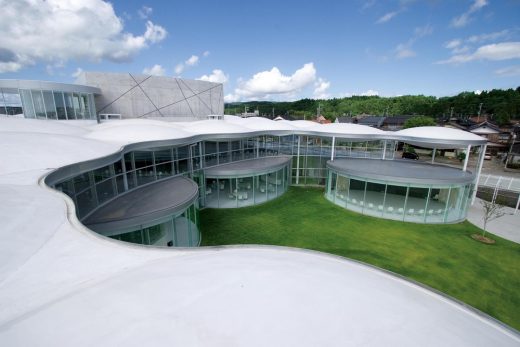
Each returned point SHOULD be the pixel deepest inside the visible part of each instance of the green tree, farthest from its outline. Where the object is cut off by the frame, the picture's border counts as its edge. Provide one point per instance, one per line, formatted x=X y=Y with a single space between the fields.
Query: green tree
x=419 y=121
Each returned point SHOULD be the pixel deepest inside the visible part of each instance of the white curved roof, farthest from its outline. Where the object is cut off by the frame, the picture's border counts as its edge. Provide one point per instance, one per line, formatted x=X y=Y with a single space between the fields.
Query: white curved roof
x=300 y=123
x=264 y=124
x=61 y=283
x=348 y=129
x=431 y=134
x=130 y=132
x=215 y=127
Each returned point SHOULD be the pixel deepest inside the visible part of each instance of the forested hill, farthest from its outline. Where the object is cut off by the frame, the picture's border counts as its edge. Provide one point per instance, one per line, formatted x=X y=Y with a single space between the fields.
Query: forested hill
x=504 y=105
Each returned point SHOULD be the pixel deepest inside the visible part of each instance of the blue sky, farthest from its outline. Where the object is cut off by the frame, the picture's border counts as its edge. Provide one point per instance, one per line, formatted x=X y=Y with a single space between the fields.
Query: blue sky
x=272 y=50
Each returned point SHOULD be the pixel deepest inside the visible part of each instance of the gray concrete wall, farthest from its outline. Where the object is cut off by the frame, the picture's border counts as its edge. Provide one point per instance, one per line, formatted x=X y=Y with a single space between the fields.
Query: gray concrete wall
x=144 y=96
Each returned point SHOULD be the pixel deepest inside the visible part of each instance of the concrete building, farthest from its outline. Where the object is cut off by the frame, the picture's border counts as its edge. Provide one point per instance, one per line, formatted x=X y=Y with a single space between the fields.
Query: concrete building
x=145 y=96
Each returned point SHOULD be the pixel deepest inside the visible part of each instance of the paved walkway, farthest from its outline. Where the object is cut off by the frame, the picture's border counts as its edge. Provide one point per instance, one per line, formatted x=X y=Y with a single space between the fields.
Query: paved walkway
x=507 y=226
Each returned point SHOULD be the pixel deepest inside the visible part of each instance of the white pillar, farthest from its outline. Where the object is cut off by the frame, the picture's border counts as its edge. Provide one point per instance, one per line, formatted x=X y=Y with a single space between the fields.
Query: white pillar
x=467 y=158
x=332 y=150
x=384 y=149
x=433 y=154
x=298 y=162
x=480 y=163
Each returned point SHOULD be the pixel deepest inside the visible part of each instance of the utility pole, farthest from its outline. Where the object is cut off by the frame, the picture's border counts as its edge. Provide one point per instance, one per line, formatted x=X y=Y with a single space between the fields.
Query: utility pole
x=318 y=111
x=451 y=113
x=479 y=110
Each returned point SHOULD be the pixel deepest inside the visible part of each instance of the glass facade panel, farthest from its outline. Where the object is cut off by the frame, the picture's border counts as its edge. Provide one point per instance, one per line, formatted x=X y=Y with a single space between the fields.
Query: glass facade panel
x=79 y=111
x=39 y=107
x=86 y=202
x=60 y=105
x=105 y=190
x=419 y=204
x=143 y=159
x=48 y=100
x=69 y=106
x=27 y=104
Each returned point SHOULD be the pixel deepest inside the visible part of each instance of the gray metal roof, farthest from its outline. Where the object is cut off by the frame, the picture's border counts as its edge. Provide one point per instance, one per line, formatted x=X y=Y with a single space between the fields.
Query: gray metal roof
x=401 y=171
x=144 y=204
x=249 y=167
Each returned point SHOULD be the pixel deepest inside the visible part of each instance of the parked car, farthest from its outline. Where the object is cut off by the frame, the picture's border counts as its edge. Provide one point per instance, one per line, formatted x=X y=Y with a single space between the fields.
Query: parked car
x=410 y=155
x=487 y=156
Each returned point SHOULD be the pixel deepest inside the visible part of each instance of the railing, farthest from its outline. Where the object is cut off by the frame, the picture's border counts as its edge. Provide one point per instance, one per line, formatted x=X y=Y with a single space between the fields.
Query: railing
x=499 y=184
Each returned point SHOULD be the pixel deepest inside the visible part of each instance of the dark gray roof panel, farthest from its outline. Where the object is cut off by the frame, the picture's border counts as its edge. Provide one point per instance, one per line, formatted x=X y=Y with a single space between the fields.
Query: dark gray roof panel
x=153 y=201
x=401 y=171
x=249 y=167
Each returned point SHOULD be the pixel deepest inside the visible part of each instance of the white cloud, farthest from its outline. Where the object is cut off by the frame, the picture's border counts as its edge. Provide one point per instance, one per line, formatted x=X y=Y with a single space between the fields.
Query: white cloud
x=145 y=12
x=405 y=50
x=154 y=33
x=453 y=44
x=370 y=92
x=156 y=70
x=231 y=98
x=321 y=86
x=61 y=30
x=465 y=18
x=263 y=84
x=489 y=37
x=179 y=68
x=509 y=71
x=192 y=61
x=76 y=73
x=385 y=18
x=10 y=66
x=495 y=51
x=217 y=76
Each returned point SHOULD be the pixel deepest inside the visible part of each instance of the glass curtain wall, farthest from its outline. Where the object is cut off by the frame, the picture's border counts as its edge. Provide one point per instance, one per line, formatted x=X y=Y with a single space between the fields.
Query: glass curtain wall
x=180 y=230
x=217 y=152
x=10 y=101
x=309 y=167
x=413 y=203
x=47 y=104
x=233 y=192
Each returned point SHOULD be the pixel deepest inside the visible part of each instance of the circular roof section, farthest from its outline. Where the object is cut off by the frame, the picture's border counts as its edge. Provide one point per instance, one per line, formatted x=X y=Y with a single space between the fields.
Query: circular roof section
x=249 y=167
x=439 y=137
x=401 y=171
x=139 y=206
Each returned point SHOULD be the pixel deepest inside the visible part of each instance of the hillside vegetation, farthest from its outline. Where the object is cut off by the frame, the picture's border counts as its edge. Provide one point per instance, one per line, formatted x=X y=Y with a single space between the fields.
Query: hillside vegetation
x=503 y=105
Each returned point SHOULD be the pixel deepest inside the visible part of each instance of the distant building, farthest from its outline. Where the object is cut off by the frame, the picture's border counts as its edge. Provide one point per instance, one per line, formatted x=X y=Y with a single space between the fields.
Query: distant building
x=395 y=122
x=372 y=121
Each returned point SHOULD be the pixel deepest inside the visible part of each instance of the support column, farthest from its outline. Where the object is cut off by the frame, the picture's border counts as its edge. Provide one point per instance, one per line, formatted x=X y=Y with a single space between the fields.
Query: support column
x=479 y=169
x=467 y=158
x=332 y=149
x=384 y=149
x=298 y=161
x=433 y=155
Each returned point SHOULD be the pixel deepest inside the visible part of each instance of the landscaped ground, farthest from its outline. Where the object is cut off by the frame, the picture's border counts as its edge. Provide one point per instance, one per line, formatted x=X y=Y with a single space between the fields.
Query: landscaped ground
x=444 y=257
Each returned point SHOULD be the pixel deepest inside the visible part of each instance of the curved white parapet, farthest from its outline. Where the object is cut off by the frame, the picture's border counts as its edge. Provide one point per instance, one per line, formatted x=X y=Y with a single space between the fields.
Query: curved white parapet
x=63 y=285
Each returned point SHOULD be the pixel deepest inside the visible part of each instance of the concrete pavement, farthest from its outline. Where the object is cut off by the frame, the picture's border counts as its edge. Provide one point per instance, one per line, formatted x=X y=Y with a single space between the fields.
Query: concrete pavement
x=507 y=226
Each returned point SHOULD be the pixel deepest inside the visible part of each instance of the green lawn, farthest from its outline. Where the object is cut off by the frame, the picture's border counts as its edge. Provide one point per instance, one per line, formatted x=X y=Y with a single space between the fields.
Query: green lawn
x=441 y=256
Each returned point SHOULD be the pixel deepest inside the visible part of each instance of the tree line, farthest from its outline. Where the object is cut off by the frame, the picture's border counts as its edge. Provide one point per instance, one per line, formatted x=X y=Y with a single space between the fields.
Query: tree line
x=501 y=106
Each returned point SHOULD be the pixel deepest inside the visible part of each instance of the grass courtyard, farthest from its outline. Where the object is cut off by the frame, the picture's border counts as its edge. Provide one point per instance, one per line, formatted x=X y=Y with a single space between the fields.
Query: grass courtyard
x=443 y=257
